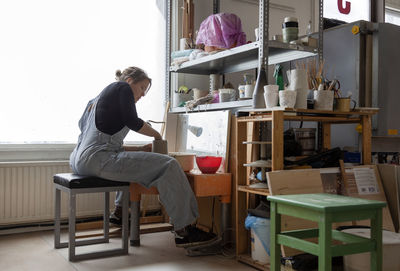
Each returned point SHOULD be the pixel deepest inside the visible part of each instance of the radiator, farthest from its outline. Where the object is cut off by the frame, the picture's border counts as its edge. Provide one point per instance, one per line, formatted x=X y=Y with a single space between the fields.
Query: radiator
x=27 y=194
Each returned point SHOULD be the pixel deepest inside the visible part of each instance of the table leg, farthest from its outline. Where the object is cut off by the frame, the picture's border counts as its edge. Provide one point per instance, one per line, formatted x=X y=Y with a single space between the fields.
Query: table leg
x=275 y=229
x=376 y=235
x=325 y=242
x=366 y=139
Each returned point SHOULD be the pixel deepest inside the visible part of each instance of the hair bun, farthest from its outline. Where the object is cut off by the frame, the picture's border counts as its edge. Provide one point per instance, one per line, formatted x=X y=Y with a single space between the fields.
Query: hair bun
x=118 y=74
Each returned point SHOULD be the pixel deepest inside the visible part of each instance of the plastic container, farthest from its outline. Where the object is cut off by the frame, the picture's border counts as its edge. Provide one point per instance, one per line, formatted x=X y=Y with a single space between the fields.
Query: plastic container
x=390 y=248
x=260 y=240
x=186 y=160
x=290 y=29
x=208 y=164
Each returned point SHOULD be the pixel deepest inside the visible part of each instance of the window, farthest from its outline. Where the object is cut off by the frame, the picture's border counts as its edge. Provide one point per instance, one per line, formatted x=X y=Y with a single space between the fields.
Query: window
x=57 y=55
x=392 y=16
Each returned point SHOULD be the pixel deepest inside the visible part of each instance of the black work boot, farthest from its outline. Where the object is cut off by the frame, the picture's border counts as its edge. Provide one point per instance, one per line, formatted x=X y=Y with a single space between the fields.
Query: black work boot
x=191 y=236
x=116 y=216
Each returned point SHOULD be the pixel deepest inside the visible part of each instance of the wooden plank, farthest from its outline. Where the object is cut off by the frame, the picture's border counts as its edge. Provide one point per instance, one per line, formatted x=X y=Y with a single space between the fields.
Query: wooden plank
x=241 y=234
x=326 y=136
x=366 y=141
x=277 y=140
x=288 y=182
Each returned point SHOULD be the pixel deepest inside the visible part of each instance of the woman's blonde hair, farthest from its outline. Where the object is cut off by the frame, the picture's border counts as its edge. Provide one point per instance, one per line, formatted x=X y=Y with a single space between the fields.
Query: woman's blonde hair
x=137 y=74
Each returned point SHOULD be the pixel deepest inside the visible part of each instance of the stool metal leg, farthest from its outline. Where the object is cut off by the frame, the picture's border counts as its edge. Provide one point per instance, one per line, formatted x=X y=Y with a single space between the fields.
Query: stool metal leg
x=376 y=235
x=106 y=222
x=125 y=218
x=135 y=225
x=71 y=225
x=275 y=229
x=325 y=243
x=57 y=214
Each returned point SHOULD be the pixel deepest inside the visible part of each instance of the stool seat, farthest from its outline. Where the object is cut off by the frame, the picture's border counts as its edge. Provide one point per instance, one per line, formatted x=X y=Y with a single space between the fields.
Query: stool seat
x=326 y=209
x=75 y=181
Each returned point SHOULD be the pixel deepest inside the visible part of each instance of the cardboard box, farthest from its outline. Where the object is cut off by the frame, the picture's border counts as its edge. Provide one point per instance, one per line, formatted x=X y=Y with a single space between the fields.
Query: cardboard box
x=390 y=176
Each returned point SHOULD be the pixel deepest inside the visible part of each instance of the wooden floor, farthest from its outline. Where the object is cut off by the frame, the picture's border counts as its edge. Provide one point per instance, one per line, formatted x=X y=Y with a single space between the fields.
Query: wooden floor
x=35 y=251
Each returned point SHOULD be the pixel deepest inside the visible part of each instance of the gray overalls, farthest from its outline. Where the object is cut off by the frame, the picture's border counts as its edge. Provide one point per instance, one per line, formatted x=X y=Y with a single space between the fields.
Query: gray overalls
x=102 y=155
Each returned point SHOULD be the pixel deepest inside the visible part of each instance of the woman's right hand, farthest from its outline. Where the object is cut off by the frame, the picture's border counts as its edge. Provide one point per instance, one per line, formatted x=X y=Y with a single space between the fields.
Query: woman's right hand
x=157 y=136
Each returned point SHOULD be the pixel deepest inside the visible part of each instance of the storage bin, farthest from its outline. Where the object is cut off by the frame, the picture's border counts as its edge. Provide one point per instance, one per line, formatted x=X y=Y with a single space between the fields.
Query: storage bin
x=390 y=248
x=260 y=240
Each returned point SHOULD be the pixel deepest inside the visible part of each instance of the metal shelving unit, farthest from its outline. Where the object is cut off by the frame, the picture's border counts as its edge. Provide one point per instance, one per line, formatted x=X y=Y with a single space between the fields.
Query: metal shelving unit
x=258 y=54
x=244 y=57
x=249 y=56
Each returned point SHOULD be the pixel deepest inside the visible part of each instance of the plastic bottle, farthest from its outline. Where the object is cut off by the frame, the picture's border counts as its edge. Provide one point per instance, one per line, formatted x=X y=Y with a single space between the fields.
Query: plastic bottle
x=278 y=75
x=290 y=29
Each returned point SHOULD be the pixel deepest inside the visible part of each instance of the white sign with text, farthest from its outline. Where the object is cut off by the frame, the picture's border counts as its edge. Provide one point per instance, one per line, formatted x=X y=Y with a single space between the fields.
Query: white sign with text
x=347 y=10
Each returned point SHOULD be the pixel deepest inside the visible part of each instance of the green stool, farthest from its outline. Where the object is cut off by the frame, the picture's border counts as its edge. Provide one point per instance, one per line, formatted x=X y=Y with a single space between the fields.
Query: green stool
x=326 y=209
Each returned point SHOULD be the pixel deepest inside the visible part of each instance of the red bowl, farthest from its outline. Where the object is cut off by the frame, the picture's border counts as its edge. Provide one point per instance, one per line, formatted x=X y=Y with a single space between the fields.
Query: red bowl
x=208 y=164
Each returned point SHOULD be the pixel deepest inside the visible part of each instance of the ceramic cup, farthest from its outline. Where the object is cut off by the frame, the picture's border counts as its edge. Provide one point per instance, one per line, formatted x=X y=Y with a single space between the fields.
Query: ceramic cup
x=273 y=88
x=248 y=91
x=160 y=146
x=323 y=100
x=287 y=98
x=271 y=98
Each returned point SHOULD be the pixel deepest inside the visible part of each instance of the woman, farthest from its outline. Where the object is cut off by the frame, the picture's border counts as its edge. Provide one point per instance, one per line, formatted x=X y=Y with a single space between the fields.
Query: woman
x=104 y=124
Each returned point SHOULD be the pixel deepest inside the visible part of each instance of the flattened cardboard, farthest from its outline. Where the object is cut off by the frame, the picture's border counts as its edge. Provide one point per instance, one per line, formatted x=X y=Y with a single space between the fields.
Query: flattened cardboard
x=390 y=176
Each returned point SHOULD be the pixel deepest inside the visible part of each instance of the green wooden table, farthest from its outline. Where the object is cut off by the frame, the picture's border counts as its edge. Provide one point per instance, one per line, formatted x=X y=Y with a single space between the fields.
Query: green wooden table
x=326 y=209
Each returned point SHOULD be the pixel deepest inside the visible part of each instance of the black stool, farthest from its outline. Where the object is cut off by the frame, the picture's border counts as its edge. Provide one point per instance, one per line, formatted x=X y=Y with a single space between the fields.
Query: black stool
x=75 y=184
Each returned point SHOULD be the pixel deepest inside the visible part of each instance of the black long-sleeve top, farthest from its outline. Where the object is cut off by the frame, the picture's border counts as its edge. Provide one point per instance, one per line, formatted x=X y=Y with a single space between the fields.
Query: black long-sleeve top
x=116 y=108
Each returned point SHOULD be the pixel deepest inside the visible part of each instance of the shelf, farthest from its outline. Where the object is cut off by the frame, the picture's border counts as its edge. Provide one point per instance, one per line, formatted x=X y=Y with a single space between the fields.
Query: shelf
x=244 y=258
x=212 y=107
x=259 y=163
x=258 y=142
x=258 y=191
x=244 y=57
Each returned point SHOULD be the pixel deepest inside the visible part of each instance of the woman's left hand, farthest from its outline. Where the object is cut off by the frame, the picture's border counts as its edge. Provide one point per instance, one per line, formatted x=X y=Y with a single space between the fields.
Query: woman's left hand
x=147 y=147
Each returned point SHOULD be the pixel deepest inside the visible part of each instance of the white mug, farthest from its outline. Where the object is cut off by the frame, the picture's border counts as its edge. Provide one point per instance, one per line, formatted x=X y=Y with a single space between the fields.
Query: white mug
x=248 y=91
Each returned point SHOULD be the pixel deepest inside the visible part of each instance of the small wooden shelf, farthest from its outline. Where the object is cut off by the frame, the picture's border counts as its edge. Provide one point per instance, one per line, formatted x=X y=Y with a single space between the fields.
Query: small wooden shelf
x=245 y=258
x=258 y=191
x=258 y=142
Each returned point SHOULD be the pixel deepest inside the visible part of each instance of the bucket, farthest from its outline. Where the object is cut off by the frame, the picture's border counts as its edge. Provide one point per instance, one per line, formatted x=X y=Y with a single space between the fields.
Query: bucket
x=306 y=138
x=260 y=240
x=258 y=252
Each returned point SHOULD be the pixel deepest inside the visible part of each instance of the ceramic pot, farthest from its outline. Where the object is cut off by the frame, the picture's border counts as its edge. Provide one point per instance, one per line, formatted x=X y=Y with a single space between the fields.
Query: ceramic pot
x=287 y=98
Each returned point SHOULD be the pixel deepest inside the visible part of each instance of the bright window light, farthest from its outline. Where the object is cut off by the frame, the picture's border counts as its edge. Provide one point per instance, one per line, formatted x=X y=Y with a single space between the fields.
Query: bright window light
x=57 y=55
x=392 y=16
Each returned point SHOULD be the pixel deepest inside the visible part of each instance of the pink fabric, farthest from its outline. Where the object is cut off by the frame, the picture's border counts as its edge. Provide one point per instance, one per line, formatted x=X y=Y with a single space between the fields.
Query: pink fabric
x=223 y=30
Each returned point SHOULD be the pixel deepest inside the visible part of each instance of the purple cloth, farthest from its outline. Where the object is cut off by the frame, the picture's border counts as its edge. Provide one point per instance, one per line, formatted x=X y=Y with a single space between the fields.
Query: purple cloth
x=223 y=30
